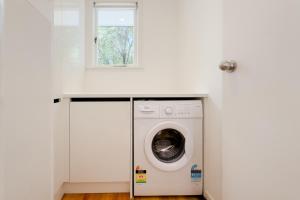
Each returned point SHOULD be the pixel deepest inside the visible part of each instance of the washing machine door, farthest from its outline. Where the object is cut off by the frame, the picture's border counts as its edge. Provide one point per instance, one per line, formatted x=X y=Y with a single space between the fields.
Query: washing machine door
x=168 y=146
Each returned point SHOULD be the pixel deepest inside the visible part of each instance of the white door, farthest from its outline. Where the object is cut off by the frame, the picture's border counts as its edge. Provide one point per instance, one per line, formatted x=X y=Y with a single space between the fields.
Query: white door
x=261 y=127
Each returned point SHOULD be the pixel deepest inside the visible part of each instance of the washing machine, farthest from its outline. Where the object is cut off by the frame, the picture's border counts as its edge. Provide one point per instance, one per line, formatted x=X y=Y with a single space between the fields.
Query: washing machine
x=168 y=148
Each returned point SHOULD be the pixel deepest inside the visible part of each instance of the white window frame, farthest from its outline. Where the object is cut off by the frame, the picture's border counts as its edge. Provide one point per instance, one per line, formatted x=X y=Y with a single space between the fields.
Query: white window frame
x=91 y=33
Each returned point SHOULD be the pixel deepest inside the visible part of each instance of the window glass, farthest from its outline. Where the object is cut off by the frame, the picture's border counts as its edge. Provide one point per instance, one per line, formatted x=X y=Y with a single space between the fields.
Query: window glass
x=115 y=36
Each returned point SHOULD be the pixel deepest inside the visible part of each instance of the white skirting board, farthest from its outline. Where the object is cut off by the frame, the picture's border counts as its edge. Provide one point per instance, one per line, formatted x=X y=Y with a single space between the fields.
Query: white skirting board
x=76 y=188
x=60 y=193
x=96 y=188
x=208 y=196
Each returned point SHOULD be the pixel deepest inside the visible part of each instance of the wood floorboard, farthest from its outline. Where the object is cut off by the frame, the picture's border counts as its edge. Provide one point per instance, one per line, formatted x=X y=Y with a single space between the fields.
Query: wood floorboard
x=119 y=196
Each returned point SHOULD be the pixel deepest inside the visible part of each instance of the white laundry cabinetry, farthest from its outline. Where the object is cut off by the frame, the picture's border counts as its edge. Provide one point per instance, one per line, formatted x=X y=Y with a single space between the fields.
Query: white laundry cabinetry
x=100 y=140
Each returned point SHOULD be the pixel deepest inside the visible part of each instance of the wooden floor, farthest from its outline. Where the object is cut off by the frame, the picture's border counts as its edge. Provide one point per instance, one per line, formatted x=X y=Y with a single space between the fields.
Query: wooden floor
x=120 y=196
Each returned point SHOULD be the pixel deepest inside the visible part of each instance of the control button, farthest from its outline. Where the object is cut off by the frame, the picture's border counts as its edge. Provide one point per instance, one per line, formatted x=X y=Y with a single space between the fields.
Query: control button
x=169 y=110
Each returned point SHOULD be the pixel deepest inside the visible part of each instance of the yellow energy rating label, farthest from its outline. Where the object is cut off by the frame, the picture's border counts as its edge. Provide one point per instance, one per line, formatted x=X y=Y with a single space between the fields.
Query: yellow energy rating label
x=141 y=176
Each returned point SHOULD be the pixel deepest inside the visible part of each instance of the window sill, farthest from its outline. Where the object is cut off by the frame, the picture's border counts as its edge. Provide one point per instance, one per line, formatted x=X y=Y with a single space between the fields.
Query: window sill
x=101 y=67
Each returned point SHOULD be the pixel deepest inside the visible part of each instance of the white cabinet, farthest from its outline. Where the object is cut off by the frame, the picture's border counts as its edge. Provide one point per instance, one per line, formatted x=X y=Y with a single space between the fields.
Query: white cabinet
x=60 y=144
x=100 y=141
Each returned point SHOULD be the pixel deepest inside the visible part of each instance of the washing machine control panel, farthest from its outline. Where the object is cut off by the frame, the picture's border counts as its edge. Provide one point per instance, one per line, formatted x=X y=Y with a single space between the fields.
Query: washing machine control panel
x=181 y=111
x=168 y=109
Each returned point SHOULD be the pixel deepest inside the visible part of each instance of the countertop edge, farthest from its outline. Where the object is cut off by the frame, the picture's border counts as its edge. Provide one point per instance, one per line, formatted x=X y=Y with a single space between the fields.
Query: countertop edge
x=115 y=95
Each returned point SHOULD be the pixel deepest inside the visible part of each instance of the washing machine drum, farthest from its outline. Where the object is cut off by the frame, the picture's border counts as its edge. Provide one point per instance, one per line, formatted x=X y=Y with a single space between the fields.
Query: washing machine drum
x=168 y=145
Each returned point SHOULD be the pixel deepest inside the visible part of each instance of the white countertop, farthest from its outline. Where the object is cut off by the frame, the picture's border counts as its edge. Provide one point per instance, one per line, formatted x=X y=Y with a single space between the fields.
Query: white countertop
x=137 y=95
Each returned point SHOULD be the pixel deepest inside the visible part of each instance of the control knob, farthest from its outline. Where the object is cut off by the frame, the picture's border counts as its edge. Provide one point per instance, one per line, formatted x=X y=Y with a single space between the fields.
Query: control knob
x=169 y=110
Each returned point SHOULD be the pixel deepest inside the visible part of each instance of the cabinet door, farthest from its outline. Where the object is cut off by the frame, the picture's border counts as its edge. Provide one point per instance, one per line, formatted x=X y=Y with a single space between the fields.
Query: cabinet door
x=100 y=141
x=60 y=144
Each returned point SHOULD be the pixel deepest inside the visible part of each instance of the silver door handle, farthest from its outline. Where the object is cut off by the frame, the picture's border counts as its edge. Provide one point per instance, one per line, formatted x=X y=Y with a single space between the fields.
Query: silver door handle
x=228 y=66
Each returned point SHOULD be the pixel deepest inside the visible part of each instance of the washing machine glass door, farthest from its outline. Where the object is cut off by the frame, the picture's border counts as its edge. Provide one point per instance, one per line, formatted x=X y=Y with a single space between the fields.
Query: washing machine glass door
x=168 y=146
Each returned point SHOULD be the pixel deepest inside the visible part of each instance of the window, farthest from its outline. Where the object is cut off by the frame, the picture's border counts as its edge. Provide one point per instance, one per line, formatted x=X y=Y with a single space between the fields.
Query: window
x=115 y=32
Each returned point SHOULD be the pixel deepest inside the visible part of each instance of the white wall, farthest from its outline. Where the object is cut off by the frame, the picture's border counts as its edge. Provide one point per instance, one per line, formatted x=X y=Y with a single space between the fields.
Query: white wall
x=69 y=43
x=201 y=52
x=26 y=102
x=159 y=55
x=56 y=50
x=43 y=6
x=2 y=138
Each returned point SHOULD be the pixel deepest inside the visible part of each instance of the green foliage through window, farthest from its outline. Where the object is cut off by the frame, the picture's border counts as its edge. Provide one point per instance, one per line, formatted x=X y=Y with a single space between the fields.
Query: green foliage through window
x=115 y=45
